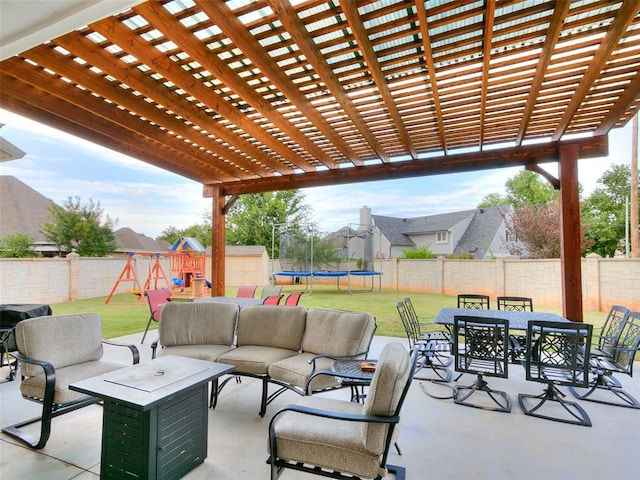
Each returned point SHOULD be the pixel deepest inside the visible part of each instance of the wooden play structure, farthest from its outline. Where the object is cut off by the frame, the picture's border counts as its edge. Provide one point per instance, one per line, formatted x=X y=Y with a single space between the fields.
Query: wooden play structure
x=188 y=261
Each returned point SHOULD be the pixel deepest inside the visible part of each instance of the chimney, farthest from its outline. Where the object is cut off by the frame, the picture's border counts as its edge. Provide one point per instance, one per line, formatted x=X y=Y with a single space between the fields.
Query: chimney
x=365 y=216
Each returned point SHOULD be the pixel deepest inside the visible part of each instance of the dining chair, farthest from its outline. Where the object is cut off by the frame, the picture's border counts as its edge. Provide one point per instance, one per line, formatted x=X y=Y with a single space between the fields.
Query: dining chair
x=427 y=332
x=614 y=356
x=425 y=348
x=272 y=300
x=515 y=304
x=155 y=299
x=557 y=354
x=473 y=300
x=480 y=347
x=518 y=346
x=293 y=299
x=246 y=291
x=268 y=290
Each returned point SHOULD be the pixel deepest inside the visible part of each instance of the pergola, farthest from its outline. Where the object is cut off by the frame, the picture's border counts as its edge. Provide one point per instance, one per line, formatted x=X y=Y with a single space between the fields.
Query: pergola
x=249 y=96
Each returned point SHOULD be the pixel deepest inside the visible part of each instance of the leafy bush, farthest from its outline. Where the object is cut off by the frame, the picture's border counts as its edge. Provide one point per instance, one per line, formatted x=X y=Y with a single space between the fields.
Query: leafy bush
x=418 y=253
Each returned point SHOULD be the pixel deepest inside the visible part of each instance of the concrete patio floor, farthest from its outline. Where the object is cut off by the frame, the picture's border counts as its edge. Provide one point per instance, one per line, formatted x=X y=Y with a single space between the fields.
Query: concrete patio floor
x=439 y=439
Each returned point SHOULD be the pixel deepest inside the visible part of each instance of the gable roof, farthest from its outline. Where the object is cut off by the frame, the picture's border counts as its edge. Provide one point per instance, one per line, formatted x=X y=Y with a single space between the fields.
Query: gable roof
x=187 y=243
x=436 y=223
x=481 y=231
x=131 y=241
x=23 y=210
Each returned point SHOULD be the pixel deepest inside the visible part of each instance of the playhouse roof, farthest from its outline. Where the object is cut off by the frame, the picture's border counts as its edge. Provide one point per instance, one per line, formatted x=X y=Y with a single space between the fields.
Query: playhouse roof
x=187 y=243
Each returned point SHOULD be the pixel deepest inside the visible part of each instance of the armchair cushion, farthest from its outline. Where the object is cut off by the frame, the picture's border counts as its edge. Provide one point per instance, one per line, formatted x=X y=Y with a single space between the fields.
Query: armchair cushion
x=61 y=340
x=329 y=443
x=34 y=386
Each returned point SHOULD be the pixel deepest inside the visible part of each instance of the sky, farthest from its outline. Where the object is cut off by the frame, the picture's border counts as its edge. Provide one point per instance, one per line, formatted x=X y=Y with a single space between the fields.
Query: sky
x=148 y=199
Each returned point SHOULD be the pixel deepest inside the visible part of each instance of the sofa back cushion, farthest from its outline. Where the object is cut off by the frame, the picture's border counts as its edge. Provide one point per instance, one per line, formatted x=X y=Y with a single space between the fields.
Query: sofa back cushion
x=337 y=332
x=198 y=323
x=61 y=340
x=272 y=326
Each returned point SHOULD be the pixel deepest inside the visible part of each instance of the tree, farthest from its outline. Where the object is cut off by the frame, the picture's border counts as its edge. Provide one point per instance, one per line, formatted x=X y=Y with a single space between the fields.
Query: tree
x=526 y=188
x=18 y=245
x=251 y=219
x=604 y=210
x=537 y=229
x=78 y=227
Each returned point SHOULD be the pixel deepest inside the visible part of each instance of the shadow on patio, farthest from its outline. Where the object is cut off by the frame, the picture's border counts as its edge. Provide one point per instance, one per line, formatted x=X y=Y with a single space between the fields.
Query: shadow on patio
x=439 y=440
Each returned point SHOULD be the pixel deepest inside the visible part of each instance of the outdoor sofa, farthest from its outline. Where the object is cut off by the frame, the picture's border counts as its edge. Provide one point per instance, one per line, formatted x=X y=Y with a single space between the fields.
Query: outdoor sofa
x=279 y=345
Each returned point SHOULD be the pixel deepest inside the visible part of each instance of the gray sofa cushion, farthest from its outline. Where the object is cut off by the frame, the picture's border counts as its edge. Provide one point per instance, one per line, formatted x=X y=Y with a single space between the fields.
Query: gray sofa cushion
x=197 y=323
x=61 y=340
x=255 y=359
x=337 y=332
x=295 y=370
x=272 y=326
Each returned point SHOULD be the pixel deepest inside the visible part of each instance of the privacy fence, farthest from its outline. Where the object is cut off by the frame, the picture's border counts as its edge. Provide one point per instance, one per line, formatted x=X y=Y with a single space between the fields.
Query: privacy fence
x=604 y=281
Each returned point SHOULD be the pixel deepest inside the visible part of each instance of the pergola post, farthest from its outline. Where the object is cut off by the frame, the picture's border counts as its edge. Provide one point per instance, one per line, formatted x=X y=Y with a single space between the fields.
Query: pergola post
x=217 y=242
x=570 y=239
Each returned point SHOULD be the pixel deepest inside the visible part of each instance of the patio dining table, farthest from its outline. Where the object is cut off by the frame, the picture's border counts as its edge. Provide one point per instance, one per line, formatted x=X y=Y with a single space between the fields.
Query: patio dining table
x=517 y=320
x=240 y=301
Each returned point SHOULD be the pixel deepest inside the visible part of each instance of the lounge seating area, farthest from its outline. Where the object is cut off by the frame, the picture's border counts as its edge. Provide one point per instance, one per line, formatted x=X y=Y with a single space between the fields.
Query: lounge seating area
x=520 y=446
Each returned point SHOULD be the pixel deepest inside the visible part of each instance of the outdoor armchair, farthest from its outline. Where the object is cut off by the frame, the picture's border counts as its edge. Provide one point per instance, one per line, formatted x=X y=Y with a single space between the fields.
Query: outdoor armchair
x=343 y=439
x=54 y=352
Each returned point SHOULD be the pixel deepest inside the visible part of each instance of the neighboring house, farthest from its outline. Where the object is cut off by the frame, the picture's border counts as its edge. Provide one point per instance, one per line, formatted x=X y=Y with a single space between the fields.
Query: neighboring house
x=131 y=241
x=479 y=232
x=24 y=210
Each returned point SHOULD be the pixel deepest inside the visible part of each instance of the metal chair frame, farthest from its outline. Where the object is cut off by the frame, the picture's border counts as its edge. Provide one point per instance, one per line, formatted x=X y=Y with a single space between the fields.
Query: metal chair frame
x=426 y=348
x=473 y=300
x=557 y=354
x=614 y=355
x=481 y=347
x=442 y=336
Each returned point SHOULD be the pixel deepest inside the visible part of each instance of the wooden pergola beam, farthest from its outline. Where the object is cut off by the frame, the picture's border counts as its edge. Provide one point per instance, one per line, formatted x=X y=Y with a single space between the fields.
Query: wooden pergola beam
x=464 y=162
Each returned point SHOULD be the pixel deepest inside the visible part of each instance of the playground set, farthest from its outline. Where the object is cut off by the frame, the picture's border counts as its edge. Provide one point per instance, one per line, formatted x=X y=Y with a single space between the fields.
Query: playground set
x=187 y=262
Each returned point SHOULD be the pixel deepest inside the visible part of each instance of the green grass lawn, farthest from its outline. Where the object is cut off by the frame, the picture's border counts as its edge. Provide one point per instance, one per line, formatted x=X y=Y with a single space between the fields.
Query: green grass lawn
x=125 y=314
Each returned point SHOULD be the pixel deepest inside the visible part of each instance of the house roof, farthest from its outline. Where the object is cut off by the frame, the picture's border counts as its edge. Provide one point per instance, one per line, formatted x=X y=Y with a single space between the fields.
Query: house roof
x=437 y=223
x=23 y=210
x=262 y=95
x=131 y=241
x=393 y=229
x=481 y=231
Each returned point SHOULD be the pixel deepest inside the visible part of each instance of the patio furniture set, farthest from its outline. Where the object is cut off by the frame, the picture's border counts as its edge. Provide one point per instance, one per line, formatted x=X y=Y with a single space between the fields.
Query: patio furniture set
x=153 y=410
x=553 y=351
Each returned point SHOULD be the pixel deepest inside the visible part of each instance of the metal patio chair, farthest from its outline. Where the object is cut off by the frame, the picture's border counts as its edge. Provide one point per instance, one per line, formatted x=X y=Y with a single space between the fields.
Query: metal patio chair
x=614 y=355
x=473 y=300
x=155 y=299
x=427 y=333
x=272 y=300
x=343 y=439
x=54 y=352
x=557 y=354
x=517 y=342
x=480 y=347
x=246 y=291
x=292 y=299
